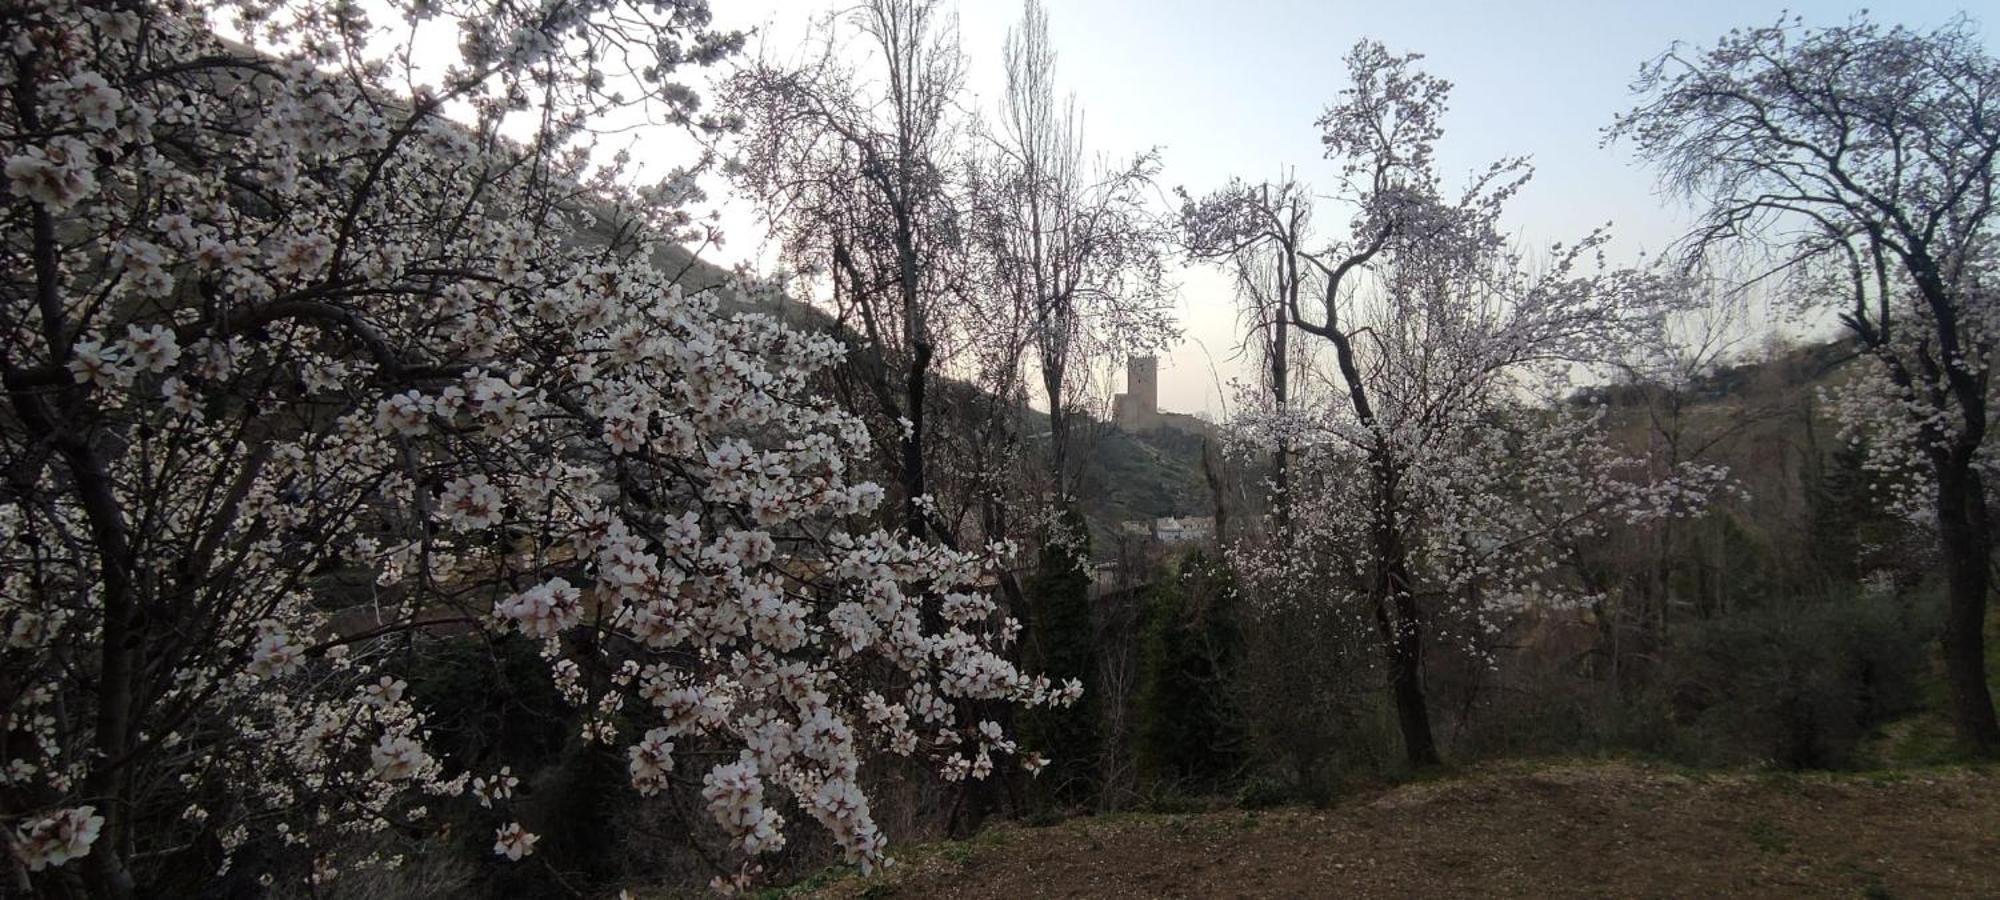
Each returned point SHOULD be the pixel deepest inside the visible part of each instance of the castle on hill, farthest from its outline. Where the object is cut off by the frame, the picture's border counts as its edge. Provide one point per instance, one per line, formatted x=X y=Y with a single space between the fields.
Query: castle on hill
x=1138 y=409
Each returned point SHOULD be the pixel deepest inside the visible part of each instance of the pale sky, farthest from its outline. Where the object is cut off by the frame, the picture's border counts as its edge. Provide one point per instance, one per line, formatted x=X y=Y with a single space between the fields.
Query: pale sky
x=1232 y=88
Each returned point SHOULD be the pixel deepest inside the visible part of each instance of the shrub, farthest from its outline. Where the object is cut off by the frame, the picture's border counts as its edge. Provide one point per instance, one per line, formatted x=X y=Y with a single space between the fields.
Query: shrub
x=1059 y=642
x=1263 y=792
x=1797 y=687
x=1190 y=732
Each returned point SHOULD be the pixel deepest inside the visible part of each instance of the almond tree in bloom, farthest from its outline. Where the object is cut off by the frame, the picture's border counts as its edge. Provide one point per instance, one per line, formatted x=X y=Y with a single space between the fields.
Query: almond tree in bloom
x=1864 y=163
x=321 y=303
x=1430 y=493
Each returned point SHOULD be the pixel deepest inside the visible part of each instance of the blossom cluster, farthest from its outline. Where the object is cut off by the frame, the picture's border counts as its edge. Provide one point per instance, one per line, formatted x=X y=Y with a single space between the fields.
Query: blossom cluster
x=337 y=365
x=1440 y=470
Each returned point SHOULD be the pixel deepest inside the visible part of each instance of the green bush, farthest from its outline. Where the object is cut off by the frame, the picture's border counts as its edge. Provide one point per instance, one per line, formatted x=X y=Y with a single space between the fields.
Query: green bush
x=1190 y=732
x=1797 y=687
x=1264 y=792
x=1059 y=644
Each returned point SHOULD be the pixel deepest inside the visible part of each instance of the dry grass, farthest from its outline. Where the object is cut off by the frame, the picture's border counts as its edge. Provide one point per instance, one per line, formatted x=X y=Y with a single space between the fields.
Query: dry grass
x=1596 y=830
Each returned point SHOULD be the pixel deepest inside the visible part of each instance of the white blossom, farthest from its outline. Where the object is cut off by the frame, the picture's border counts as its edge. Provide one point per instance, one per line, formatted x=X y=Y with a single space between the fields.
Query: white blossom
x=59 y=837
x=513 y=842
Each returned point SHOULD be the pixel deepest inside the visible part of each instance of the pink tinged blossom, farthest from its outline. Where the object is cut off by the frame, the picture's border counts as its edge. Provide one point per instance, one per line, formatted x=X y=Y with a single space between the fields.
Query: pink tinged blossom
x=150 y=349
x=514 y=842
x=652 y=760
x=57 y=175
x=91 y=99
x=735 y=795
x=842 y=809
x=499 y=787
x=214 y=254
x=385 y=691
x=407 y=413
x=29 y=630
x=471 y=502
x=102 y=367
x=57 y=838
x=545 y=610
x=179 y=398
x=301 y=255
x=397 y=757
x=179 y=229
x=145 y=264
x=274 y=654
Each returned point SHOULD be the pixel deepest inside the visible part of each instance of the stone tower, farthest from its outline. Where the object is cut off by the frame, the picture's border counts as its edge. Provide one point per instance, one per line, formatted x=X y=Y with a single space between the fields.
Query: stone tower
x=1139 y=407
x=1142 y=381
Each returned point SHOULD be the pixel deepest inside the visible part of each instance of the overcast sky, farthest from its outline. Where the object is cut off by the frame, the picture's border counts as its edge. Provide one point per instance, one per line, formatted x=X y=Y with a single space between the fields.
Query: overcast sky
x=1233 y=87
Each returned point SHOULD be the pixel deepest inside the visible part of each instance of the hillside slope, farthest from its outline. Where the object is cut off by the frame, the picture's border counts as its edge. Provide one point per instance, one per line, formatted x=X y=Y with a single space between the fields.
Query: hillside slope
x=1139 y=477
x=1127 y=476
x=1575 y=829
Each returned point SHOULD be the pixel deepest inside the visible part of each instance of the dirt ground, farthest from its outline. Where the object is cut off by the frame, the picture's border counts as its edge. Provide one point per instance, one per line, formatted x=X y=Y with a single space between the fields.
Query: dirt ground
x=1570 y=830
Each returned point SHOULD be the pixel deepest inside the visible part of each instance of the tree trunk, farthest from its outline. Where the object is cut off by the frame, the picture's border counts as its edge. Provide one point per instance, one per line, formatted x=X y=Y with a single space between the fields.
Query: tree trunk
x=914 y=487
x=108 y=778
x=1405 y=642
x=1281 y=476
x=1401 y=623
x=1218 y=492
x=1053 y=376
x=1965 y=535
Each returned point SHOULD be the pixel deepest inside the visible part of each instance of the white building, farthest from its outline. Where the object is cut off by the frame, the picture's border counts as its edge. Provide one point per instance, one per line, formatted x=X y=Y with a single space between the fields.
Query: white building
x=1170 y=530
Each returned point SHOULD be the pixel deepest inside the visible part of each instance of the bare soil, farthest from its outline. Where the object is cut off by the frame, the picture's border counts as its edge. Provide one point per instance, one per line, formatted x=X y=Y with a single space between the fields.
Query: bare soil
x=1568 y=830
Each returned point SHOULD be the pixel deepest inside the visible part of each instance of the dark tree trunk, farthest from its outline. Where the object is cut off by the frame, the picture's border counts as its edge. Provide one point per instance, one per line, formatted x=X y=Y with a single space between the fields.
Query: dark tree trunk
x=1401 y=622
x=108 y=779
x=1406 y=671
x=1053 y=376
x=1218 y=491
x=1401 y=625
x=1281 y=476
x=914 y=486
x=1966 y=537
x=1397 y=613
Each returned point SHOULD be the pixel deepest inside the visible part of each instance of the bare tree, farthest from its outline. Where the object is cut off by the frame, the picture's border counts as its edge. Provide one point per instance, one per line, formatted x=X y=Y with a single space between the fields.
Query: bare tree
x=1863 y=158
x=1260 y=232
x=1072 y=245
x=1665 y=367
x=861 y=176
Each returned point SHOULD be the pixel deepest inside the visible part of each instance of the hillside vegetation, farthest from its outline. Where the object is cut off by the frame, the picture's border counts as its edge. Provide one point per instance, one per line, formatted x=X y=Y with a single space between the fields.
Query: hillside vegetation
x=397 y=505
